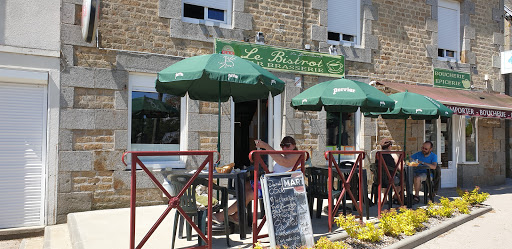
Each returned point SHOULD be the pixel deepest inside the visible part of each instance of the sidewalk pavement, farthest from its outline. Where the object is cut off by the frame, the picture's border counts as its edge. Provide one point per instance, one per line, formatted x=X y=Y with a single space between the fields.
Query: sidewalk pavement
x=110 y=228
x=491 y=230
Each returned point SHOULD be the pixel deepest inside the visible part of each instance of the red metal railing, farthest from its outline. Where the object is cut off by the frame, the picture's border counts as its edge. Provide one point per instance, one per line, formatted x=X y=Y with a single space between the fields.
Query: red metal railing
x=174 y=201
x=345 y=183
x=255 y=156
x=391 y=183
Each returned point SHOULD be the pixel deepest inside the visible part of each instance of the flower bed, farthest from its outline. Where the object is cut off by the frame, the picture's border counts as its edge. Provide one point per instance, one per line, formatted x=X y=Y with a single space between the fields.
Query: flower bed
x=396 y=225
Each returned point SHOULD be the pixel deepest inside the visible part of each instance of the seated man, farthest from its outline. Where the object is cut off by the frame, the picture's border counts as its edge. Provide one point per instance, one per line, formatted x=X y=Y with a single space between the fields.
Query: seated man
x=424 y=157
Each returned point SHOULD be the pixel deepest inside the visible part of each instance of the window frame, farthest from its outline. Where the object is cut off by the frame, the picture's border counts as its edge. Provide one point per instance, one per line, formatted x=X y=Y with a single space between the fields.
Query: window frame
x=454 y=5
x=464 y=159
x=356 y=37
x=144 y=82
x=228 y=15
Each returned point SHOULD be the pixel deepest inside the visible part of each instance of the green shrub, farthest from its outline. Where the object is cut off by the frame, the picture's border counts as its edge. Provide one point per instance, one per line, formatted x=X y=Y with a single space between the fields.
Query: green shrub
x=390 y=223
x=444 y=209
x=473 y=197
x=367 y=232
x=324 y=243
x=370 y=232
x=461 y=205
x=407 y=221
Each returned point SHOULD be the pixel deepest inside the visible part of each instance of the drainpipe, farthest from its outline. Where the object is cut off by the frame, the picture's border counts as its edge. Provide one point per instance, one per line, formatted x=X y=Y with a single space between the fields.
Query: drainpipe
x=508 y=123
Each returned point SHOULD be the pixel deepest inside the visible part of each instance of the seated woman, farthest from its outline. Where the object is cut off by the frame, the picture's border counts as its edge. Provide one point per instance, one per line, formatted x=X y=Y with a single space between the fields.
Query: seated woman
x=390 y=160
x=283 y=163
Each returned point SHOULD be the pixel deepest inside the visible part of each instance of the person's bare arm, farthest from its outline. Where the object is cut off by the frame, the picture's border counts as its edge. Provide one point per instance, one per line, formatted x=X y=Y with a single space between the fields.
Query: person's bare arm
x=287 y=160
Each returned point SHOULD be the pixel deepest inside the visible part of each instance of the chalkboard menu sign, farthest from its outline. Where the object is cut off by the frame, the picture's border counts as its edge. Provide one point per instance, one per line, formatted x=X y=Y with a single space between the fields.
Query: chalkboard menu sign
x=287 y=210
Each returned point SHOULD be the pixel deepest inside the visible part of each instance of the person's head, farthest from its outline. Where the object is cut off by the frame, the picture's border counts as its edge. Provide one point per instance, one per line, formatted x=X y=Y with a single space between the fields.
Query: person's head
x=386 y=143
x=427 y=148
x=288 y=143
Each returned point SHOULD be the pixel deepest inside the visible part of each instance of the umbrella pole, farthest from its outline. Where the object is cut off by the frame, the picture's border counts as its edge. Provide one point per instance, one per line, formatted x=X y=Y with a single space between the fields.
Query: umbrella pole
x=218 y=125
x=405 y=135
x=339 y=135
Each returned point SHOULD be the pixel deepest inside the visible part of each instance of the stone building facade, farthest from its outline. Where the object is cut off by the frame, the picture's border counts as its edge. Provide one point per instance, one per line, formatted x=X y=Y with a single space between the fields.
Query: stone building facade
x=397 y=43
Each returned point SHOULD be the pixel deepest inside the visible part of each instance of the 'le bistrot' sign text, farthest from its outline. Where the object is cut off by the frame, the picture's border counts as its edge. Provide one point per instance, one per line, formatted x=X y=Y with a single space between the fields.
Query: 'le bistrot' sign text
x=282 y=59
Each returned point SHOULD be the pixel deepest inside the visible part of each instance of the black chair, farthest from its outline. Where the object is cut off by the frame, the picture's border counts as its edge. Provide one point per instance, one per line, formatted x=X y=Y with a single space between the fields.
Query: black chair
x=188 y=204
x=317 y=188
x=428 y=188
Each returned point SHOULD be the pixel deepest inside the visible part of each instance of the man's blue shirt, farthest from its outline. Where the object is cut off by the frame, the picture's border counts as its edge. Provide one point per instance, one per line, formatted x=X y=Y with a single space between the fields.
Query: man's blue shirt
x=431 y=158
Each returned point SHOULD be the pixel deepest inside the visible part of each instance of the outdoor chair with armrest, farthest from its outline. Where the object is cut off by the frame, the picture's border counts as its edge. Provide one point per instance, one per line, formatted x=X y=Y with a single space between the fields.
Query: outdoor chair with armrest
x=317 y=188
x=189 y=205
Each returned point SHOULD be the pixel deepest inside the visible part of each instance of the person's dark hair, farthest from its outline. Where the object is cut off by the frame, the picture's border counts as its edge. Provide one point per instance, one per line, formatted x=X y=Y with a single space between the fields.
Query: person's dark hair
x=291 y=140
x=385 y=143
x=431 y=144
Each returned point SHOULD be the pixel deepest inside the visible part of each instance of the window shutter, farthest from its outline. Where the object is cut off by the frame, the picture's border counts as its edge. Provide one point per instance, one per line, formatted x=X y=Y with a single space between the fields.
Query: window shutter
x=343 y=16
x=217 y=4
x=448 y=25
x=22 y=154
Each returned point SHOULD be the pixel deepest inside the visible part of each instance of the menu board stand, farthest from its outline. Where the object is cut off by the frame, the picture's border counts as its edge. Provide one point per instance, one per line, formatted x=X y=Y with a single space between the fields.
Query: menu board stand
x=286 y=206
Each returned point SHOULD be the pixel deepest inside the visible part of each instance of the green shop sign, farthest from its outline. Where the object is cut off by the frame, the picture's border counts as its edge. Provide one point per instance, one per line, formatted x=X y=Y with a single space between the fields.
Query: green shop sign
x=282 y=59
x=451 y=79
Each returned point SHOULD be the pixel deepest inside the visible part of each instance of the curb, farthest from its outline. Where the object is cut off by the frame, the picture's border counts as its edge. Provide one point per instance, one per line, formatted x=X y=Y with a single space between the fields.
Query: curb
x=424 y=236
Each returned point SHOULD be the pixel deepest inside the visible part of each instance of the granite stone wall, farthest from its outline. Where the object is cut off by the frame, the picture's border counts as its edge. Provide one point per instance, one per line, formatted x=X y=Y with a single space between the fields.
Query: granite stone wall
x=398 y=43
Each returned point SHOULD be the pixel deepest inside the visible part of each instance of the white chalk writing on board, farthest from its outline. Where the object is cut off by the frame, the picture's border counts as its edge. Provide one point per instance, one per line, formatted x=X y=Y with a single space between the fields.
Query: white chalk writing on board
x=287 y=210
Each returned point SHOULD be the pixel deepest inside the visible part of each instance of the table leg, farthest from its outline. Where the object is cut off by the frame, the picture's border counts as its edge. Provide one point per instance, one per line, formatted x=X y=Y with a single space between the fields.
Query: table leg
x=408 y=184
x=365 y=195
x=242 y=215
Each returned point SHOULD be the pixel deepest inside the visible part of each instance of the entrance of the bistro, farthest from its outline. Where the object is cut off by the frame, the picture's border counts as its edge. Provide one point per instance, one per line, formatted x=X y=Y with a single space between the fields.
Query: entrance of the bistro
x=248 y=126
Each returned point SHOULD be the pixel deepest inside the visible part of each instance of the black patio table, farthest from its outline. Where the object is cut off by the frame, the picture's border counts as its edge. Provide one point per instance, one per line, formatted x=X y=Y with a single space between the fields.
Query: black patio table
x=409 y=177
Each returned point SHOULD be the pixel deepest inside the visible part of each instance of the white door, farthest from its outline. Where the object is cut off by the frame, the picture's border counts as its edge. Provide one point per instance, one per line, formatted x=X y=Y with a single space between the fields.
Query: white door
x=449 y=175
x=23 y=110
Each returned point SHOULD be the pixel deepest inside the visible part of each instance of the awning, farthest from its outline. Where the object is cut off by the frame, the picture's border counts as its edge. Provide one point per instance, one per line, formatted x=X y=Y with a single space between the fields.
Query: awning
x=462 y=102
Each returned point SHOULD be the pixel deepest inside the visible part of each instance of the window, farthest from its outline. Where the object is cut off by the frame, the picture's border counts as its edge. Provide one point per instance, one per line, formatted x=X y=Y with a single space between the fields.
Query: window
x=348 y=126
x=448 y=30
x=154 y=121
x=343 y=22
x=471 y=139
x=207 y=12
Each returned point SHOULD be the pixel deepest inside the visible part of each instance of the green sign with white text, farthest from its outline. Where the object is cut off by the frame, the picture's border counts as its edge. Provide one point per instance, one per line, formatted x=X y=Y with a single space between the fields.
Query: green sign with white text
x=451 y=79
x=283 y=59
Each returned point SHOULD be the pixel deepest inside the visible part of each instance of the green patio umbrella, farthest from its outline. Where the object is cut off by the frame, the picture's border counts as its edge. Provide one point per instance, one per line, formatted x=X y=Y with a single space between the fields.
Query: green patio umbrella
x=151 y=108
x=414 y=106
x=216 y=77
x=342 y=95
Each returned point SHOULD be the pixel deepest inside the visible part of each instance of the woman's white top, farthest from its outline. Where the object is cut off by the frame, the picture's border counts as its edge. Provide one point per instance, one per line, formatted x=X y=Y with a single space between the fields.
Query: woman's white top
x=280 y=169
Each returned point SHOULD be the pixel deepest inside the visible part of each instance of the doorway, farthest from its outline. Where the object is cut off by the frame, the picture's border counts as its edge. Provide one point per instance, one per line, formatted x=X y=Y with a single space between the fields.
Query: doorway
x=440 y=133
x=247 y=128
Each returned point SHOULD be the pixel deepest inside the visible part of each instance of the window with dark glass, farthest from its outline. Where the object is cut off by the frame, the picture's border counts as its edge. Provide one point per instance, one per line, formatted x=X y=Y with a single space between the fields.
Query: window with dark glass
x=348 y=129
x=216 y=14
x=206 y=10
x=193 y=11
x=471 y=139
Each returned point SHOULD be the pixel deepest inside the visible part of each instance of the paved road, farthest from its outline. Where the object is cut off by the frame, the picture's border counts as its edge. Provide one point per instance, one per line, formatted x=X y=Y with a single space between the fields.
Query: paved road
x=491 y=230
